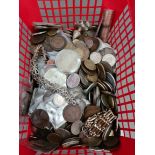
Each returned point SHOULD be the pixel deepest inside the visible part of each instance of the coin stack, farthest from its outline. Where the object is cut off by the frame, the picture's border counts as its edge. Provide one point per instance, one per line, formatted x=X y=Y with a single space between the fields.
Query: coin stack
x=84 y=66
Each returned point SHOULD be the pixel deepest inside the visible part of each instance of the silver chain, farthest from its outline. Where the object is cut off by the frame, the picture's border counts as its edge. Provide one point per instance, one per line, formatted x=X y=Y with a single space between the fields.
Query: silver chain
x=53 y=87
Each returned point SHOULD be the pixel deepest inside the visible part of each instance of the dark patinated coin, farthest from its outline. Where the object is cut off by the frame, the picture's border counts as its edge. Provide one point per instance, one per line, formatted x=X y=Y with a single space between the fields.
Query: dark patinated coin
x=72 y=113
x=40 y=118
x=104 y=101
x=107 y=67
x=112 y=142
x=107 y=132
x=108 y=93
x=54 y=138
x=102 y=85
x=58 y=42
x=37 y=39
x=71 y=142
x=108 y=86
x=63 y=133
x=52 y=32
x=46 y=44
x=110 y=78
x=111 y=101
x=101 y=71
x=76 y=127
x=83 y=79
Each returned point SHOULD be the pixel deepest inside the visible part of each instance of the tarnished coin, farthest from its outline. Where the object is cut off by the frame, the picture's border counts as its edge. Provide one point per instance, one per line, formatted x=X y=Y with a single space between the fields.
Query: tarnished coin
x=108 y=86
x=104 y=101
x=89 y=64
x=111 y=101
x=101 y=71
x=37 y=39
x=83 y=78
x=111 y=142
x=46 y=44
x=73 y=80
x=107 y=50
x=96 y=57
x=76 y=127
x=110 y=59
x=91 y=86
x=107 y=132
x=71 y=142
x=72 y=113
x=108 y=93
x=40 y=118
x=111 y=79
x=102 y=85
x=52 y=32
x=86 y=71
x=58 y=42
x=68 y=61
x=92 y=78
x=54 y=138
x=63 y=133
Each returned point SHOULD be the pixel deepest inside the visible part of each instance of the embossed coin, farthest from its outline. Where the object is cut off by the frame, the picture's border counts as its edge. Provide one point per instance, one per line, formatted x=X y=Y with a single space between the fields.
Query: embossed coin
x=40 y=118
x=37 y=39
x=89 y=64
x=68 y=61
x=63 y=133
x=58 y=42
x=73 y=80
x=76 y=127
x=72 y=113
x=54 y=138
x=92 y=78
x=95 y=57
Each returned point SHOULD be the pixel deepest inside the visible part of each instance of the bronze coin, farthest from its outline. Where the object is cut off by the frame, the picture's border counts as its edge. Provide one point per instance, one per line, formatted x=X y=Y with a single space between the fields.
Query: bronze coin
x=63 y=133
x=52 y=32
x=54 y=138
x=58 y=42
x=72 y=113
x=92 y=78
x=91 y=141
x=40 y=118
x=101 y=71
x=37 y=39
x=76 y=127
x=89 y=64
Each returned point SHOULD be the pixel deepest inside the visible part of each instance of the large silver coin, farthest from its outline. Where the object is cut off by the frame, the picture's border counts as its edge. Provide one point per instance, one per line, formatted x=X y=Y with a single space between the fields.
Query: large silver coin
x=68 y=61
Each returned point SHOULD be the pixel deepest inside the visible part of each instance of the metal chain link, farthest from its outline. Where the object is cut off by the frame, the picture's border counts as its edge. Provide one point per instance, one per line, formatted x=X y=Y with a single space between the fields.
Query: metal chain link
x=53 y=87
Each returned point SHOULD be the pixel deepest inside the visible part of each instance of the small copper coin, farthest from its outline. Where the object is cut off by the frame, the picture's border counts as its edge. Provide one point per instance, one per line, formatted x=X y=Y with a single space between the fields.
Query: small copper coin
x=40 y=118
x=72 y=113
x=76 y=127
x=101 y=71
x=37 y=39
x=54 y=138
x=89 y=64
x=58 y=42
x=92 y=78
x=73 y=80
x=63 y=133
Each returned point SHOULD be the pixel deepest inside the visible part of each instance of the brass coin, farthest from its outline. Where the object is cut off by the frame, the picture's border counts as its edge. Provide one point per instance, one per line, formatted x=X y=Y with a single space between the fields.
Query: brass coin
x=90 y=65
x=72 y=113
x=63 y=133
x=101 y=71
x=92 y=78
x=40 y=118
x=37 y=39
x=58 y=42
x=52 y=32
x=76 y=127
x=54 y=138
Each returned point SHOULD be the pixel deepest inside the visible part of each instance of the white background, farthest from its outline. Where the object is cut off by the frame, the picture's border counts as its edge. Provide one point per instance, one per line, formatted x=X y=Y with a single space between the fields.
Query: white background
x=145 y=77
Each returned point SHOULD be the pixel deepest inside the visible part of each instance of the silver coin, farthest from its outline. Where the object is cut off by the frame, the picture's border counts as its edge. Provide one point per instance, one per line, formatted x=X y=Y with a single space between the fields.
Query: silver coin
x=96 y=57
x=68 y=61
x=110 y=59
x=73 y=80
x=76 y=127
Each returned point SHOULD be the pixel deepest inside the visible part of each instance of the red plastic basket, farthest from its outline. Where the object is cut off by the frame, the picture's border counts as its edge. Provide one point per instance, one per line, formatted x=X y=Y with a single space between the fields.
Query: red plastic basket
x=121 y=38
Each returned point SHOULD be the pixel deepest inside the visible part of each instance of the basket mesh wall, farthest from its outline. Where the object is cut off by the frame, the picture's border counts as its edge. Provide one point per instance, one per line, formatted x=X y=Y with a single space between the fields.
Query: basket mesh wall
x=121 y=38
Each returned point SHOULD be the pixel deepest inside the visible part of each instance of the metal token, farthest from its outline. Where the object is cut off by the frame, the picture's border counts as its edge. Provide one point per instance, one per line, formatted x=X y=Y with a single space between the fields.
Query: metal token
x=76 y=127
x=54 y=138
x=92 y=78
x=95 y=57
x=89 y=64
x=110 y=59
x=58 y=42
x=68 y=61
x=73 y=80
x=72 y=113
x=37 y=39
x=40 y=118
x=63 y=133
x=101 y=71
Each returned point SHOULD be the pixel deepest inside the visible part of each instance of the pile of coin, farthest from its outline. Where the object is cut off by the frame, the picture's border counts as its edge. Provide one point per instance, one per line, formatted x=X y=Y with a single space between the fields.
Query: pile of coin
x=81 y=64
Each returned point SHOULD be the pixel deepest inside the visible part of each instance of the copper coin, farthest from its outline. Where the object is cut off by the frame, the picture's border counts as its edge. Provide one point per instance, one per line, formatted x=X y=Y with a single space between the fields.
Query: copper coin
x=72 y=113
x=64 y=134
x=37 y=39
x=76 y=127
x=92 y=78
x=89 y=64
x=73 y=80
x=101 y=71
x=52 y=32
x=40 y=118
x=58 y=42
x=54 y=138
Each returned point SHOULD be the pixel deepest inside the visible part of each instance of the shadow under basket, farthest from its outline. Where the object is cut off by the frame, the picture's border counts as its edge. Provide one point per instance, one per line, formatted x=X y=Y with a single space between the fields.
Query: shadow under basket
x=121 y=37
